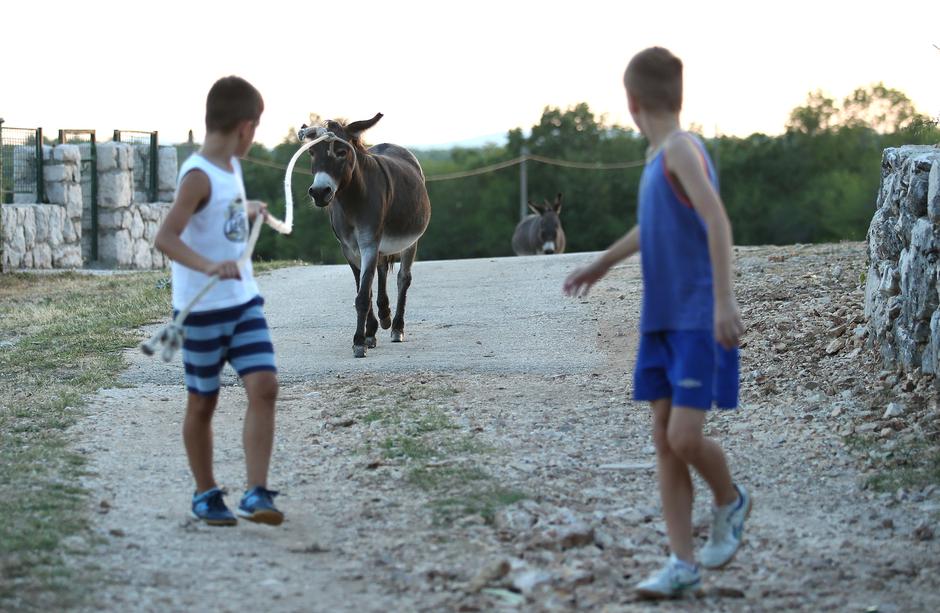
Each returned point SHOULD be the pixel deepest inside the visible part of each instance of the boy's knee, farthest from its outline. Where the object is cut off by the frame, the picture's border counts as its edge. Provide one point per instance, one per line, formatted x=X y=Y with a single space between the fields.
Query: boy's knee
x=684 y=443
x=201 y=406
x=263 y=386
x=661 y=440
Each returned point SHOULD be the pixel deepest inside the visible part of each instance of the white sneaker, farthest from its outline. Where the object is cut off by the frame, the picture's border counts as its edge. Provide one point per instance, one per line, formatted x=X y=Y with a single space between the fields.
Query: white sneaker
x=727 y=531
x=674 y=580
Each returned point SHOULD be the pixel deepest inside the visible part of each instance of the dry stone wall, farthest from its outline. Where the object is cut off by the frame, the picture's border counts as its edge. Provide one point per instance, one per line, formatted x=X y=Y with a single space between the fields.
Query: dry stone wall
x=47 y=235
x=58 y=234
x=902 y=296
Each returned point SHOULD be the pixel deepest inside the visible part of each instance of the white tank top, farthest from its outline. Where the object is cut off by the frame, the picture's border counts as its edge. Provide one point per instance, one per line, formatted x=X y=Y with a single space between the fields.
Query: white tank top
x=218 y=231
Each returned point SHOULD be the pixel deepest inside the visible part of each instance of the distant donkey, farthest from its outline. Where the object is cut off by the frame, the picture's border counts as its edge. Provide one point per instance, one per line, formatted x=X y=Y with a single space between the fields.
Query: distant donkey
x=540 y=233
x=380 y=208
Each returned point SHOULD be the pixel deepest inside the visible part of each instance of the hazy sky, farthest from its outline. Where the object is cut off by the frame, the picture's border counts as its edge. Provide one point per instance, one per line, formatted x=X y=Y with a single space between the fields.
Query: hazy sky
x=445 y=71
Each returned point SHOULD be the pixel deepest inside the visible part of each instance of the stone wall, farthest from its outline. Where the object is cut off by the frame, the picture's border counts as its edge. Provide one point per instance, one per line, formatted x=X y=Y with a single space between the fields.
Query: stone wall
x=39 y=235
x=127 y=227
x=47 y=235
x=902 y=295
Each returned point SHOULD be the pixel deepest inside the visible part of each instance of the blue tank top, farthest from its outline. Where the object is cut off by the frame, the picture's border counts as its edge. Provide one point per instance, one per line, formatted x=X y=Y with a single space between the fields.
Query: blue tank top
x=677 y=271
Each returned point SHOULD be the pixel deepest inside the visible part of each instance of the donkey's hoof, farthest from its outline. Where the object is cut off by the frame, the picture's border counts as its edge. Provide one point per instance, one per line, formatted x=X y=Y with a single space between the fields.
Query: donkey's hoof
x=398 y=336
x=359 y=351
x=370 y=342
x=386 y=322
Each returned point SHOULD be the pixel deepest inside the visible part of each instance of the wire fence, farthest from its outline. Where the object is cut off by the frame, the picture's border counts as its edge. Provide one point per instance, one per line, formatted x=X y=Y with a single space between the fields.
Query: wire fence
x=20 y=164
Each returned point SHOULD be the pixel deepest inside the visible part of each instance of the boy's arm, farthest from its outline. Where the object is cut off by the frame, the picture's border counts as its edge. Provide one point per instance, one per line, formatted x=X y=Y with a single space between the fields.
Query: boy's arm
x=580 y=281
x=684 y=160
x=194 y=190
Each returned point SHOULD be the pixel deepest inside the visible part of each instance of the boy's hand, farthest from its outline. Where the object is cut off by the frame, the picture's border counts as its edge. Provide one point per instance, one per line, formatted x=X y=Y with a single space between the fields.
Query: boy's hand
x=227 y=269
x=728 y=326
x=580 y=281
x=255 y=208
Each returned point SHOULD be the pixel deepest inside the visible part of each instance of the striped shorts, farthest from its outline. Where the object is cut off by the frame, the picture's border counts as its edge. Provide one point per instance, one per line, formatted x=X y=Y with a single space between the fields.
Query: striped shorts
x=237 y=335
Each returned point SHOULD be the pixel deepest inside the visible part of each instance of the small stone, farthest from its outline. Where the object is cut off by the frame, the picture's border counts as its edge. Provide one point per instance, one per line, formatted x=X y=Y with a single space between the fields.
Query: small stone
x=888 y=524
x=885 y=432
x=116 y=532
x=835 y=346
x=836 y=412
x=895 y=409
x=923 y=532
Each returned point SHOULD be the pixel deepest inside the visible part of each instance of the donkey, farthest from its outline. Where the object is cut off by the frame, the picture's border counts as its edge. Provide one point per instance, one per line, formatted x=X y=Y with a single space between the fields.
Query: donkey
x=380 y=208
x=540 y=233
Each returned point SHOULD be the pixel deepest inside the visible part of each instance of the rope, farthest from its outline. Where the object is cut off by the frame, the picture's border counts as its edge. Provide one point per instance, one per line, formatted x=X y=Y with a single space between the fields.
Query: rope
x=492 y=167
x=171 y=335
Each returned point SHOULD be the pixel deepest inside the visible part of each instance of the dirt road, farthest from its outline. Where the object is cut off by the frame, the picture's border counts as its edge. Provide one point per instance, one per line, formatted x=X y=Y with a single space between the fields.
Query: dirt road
x=493 y=460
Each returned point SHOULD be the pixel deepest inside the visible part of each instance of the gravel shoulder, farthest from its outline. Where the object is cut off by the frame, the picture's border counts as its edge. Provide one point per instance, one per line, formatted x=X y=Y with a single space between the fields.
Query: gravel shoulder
x=494 y=460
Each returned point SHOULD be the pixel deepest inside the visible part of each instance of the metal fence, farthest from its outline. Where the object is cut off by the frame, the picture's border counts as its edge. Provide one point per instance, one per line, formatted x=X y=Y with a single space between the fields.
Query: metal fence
x=20 y=164
x=85 y=140
x=139 y=137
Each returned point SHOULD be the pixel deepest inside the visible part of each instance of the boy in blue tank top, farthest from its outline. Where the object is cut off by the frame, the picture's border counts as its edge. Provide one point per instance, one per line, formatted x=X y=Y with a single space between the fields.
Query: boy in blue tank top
x=205 y=233
x=689 y=324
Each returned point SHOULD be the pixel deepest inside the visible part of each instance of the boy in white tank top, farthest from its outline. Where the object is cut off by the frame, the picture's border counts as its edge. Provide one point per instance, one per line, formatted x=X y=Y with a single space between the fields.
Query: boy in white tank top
x=205 y=233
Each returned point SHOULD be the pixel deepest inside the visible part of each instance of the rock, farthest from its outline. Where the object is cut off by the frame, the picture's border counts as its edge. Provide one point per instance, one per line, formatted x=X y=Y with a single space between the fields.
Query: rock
x=835 y=346
x=923 y=532
x=895 y=409
x=526 y=581
x=490 y=573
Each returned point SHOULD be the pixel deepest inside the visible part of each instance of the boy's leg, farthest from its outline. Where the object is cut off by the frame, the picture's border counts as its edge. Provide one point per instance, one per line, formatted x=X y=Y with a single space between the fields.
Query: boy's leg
x=675 y=484
x=258 y=434
x=197 y=437
x=688 y=442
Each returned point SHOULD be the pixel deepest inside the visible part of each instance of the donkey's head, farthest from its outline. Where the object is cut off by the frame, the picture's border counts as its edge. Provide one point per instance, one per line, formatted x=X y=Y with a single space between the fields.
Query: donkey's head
x=334 y=160
x=549 y=222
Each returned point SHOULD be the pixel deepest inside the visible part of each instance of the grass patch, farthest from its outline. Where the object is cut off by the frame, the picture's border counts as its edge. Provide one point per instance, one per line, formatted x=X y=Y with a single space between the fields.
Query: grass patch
x=483 y=501
x=62 y=339
x=418 y=427
x=911 y=465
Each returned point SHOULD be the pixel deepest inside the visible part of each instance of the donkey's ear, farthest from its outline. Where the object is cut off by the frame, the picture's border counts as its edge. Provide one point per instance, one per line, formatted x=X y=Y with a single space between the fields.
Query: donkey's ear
x=361 y=126
x=557 y=205
x=535 y=208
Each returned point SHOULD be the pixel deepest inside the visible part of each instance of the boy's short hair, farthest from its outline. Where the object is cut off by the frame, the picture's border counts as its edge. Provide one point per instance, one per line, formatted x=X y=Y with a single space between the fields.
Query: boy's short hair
x=232 y=100
x=654 y=78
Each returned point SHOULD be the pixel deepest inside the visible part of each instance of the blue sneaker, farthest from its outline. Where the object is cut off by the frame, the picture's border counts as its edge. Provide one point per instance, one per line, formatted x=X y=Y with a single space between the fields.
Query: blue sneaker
x=257 y=505
x=210 y=508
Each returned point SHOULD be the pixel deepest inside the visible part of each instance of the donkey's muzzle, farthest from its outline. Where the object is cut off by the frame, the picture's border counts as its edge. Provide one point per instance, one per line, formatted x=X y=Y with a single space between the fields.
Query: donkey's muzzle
x=322 y=196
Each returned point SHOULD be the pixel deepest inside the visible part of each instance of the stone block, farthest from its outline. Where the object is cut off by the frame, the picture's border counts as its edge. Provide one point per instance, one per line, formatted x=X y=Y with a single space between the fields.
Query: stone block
x=42 y=214
x=67 y=256
x=58 y=226
x=110 y=219
x=915 y=201
x=137 y=225
x=933 y=192
x=125 y=156
x=884 y=244
x=42 y=256
x=143 y=259
x=166 y=195
x=74 y=203
x=167 y=168
x=68 y=153
x=28 y=222
x=9 y=222
x=57 y=193
x=58 y=172
x=930 y=362
x=116 y=249
x=114 y=189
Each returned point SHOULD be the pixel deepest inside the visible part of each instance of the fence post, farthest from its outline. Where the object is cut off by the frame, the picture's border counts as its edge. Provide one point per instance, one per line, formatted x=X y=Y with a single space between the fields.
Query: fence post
x=1 y=160
x=523 y=184
x=40 y=188
x=116 y=137
x=154 y=151
x=94 y=198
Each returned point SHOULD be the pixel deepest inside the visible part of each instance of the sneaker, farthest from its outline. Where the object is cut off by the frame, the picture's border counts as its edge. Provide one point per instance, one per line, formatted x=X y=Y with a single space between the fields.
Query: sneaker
x=210 y=508
x=674 y=580
x=257 y=505
x=727 y=531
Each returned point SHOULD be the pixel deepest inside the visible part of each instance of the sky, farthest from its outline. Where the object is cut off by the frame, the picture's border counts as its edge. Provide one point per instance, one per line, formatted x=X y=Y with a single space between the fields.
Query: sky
x=446 y=71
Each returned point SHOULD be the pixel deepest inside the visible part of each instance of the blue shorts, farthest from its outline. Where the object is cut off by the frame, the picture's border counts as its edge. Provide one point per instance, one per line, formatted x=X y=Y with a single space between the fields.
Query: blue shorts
x=689 y=367
x=237 y=335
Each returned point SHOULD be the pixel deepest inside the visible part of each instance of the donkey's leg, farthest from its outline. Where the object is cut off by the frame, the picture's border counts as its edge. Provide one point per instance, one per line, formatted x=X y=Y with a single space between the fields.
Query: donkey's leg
x=372 y=324
x=385 y=313
x=369 y=256
x=404 y=282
